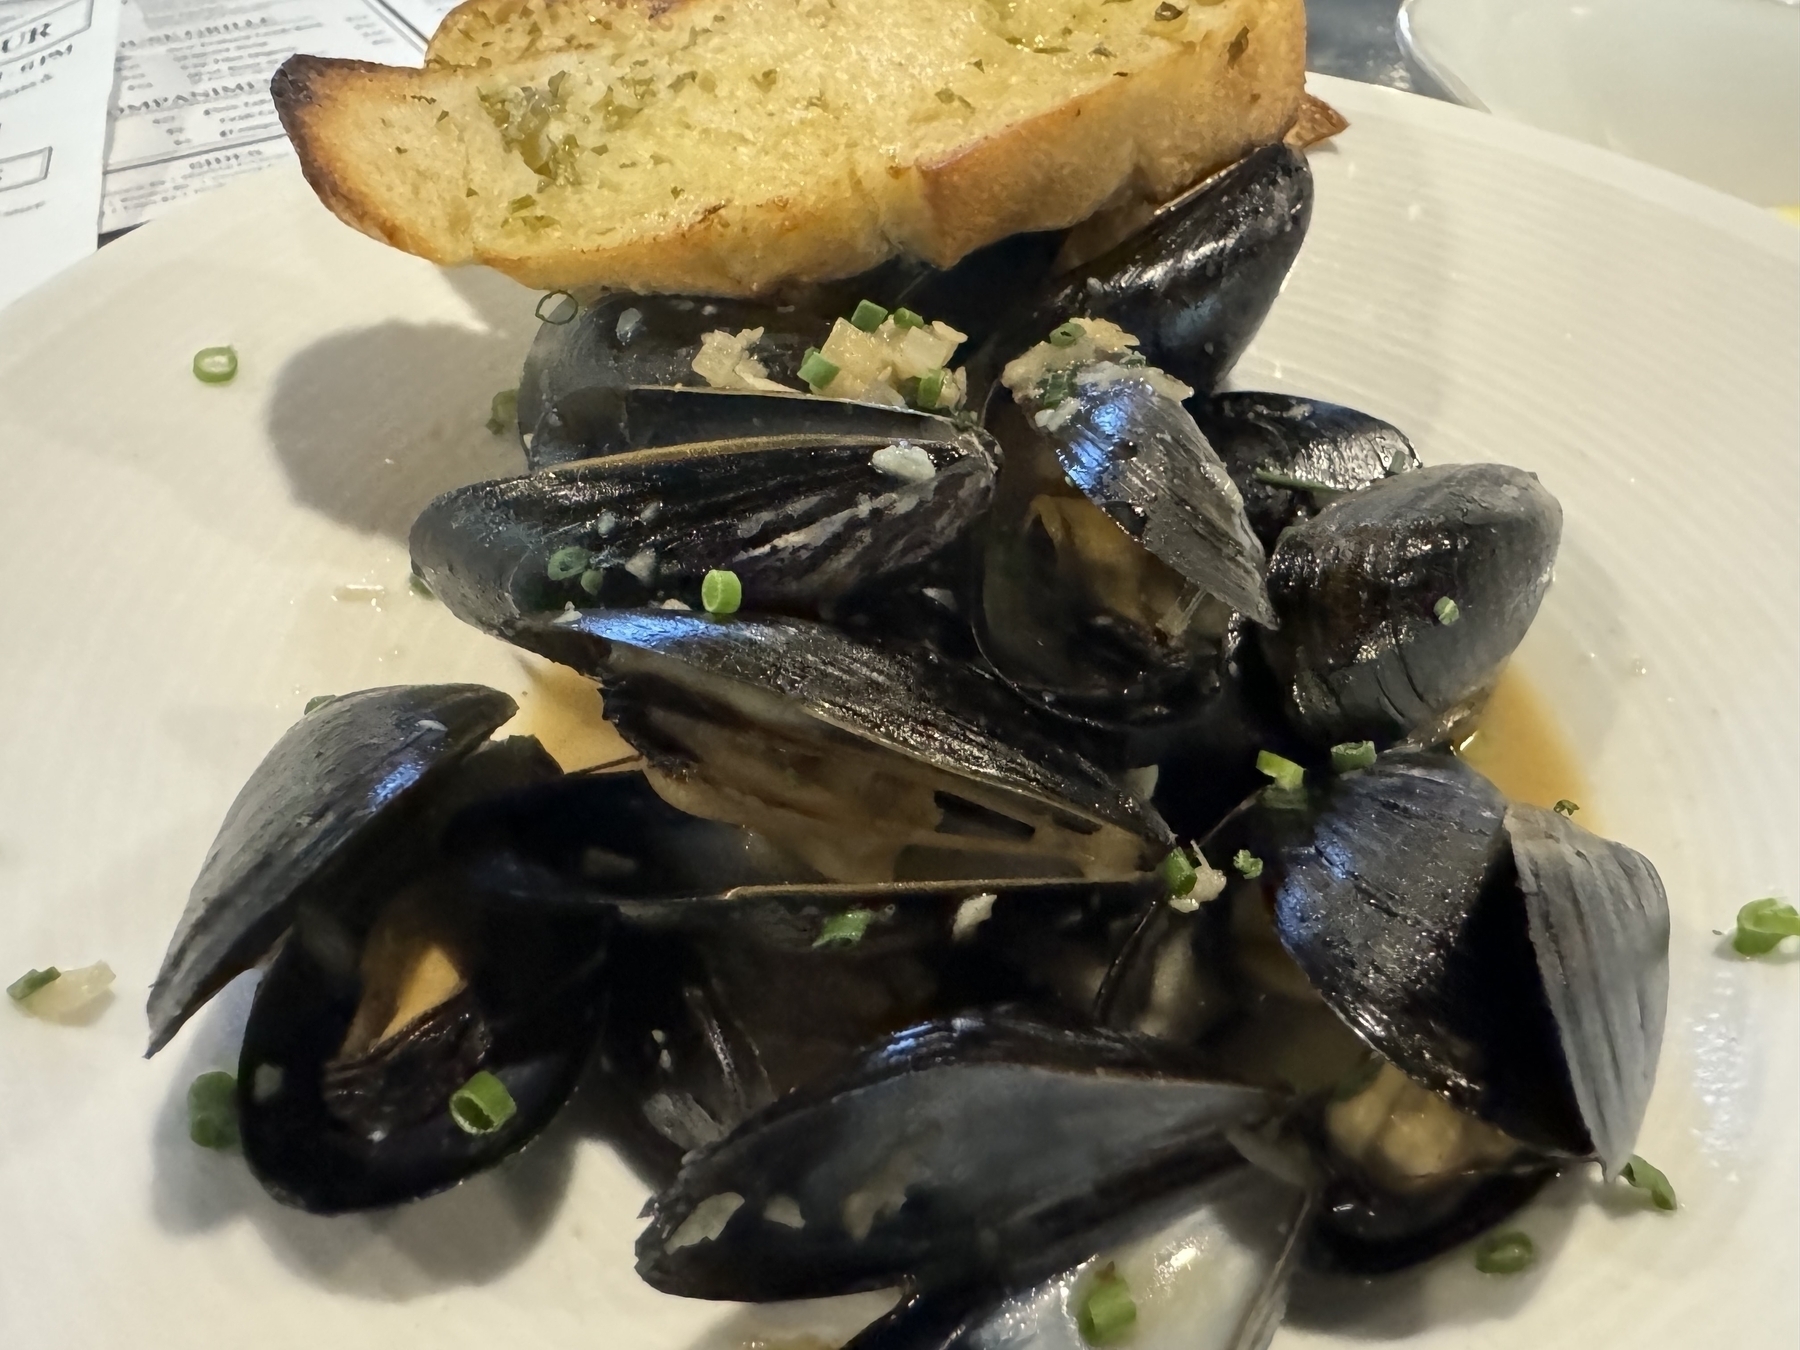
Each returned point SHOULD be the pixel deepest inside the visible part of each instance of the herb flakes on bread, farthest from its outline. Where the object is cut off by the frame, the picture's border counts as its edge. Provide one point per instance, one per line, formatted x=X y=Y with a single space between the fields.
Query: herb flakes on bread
x=733 y=146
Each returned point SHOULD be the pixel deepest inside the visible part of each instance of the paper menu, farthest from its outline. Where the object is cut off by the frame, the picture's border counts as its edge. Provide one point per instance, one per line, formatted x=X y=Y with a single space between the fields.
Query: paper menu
x=56 y=65
x=191 y=106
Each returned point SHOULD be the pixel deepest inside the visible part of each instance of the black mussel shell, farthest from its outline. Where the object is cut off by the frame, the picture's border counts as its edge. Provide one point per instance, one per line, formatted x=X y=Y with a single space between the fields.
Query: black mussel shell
x=1272 y=442
x=1195 y=283
x=1394 y=890
x=722 y=1003
x=1599 y=923
x=735 y=706
x=1208 y=1270
x=801 y=520
x=625 y=340
x=1363 y=1229
x=1368 y=647
x=530 y=1018
x=338 y=1114
x=1135 y=452
x=316 y=811
x=1113 y=562
x=947 y=1153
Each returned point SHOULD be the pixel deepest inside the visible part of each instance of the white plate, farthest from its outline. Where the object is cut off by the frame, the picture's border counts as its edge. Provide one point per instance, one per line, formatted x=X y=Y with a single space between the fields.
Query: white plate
x=1707 y=88
x=173 y=555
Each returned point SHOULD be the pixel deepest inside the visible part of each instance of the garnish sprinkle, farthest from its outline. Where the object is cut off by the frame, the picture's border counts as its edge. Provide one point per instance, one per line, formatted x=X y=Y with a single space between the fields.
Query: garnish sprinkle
x=1762 y=924
x=1649 y=1179
x=215 y=365
x=1286 y=774
x=482 y=1105
x=212 y=1110
x=1108 y=1312
x=1505 y=1253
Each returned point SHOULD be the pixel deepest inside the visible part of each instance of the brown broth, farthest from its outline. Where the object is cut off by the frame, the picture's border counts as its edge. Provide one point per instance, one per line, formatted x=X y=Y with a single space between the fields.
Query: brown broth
x=562 y=709
x=1520 y=747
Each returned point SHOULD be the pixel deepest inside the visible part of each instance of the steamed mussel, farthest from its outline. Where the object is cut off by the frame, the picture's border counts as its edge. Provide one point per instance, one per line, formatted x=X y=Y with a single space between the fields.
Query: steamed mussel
x=944 y=932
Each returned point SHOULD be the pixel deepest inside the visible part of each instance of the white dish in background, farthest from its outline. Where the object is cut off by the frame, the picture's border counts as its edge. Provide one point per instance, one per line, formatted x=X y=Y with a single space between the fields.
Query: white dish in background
x=177 y=558
x=1709 y=89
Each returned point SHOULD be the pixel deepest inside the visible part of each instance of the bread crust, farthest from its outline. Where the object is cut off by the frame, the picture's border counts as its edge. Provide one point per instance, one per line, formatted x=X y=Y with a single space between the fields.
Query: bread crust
x=1146 y=135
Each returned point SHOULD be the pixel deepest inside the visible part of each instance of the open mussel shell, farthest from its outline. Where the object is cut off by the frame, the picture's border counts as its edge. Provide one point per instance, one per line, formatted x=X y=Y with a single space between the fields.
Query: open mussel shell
x=949 y=1153
x=1271 y=443
x=1400 y=603
x=1114 y=563
x=1195 y=283
x=801 y=520
x=1136 y=453
x=624 y=340
x=331 y=1136
x=1207 y=1269
x=1394 y=891
x=1599 y=922
x=873 y=764
x=315 y=811
x=1498 y=955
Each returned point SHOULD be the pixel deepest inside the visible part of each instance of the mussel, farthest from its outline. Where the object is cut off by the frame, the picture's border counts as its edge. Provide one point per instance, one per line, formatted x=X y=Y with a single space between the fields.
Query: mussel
x=950 y=1152
x=1400 y=603
x=1204 y=1269
x=402 y=978
x=872 y=764
x=1291 y=457
x=630 y=372
x=802 y=520
x=1195 y=282
x=1408 y=910
x=1117 y=565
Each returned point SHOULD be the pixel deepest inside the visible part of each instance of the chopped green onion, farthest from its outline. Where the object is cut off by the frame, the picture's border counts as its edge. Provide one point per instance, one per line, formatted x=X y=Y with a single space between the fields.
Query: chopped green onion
x=1762 y=924
x=567 y=563
x=1065 y=335
x=844 y=929
x=212 y=1110
x=482 y=1105
x=1248 y=865
x=1352 y=755
x=1505 y=1253
x=868 y=316
x=1446 y=611
x=816 y=370
x=592 y=580
x=1565 y=807
x=1178 y=873
x=419 y=586
x=1108 y=1312
x=1397 y=463
x=905 y=318
x=1287 y=774
x=215 y=365
x=503 y=411
x=1641 y=1174
x=30 y=982
x=931 y=388
x=721 y=592
x=562 y=311
x=316 y=702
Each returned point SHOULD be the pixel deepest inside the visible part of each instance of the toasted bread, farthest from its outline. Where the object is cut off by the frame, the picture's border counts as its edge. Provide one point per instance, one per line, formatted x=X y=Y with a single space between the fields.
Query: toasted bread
x=733 y=146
